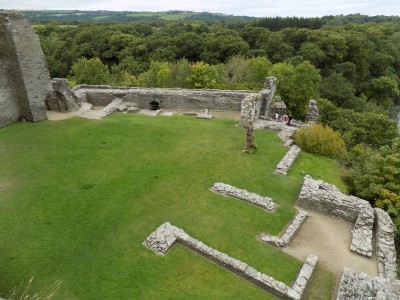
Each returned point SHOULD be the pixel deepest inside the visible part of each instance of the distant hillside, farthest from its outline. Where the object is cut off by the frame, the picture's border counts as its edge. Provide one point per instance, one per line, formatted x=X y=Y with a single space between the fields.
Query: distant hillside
x=103 y=16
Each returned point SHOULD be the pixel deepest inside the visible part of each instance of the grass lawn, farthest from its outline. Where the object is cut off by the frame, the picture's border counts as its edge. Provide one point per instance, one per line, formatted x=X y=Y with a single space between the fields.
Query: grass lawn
x=78 y=197
x=163 y=15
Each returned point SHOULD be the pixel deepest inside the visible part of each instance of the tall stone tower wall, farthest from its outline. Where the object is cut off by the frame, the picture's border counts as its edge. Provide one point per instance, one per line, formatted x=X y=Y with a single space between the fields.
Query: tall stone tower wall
x=24 y=79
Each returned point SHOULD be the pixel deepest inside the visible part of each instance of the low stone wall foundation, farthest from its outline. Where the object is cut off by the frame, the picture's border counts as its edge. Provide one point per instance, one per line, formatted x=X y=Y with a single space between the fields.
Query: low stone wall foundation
x=385 y=249
x=287 y=161
x=361 y=241
x=166 y=235
x=252 y=198
x=288 y=234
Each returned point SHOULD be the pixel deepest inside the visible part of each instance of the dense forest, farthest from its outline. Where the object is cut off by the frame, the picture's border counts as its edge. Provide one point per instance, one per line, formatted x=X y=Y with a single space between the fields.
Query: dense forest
x=349 y=64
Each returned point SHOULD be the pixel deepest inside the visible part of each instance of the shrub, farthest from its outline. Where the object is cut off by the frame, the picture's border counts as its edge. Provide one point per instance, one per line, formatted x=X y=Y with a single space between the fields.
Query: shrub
x=321 y=139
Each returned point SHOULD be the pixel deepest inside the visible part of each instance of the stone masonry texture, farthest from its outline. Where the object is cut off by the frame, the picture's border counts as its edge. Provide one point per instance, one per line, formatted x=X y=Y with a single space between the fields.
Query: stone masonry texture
x=24 y=79
x=253 y=198
x=172 y=98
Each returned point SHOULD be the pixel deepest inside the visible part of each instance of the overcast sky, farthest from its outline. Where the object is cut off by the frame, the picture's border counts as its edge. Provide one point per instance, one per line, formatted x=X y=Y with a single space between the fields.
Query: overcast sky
x=256 y=8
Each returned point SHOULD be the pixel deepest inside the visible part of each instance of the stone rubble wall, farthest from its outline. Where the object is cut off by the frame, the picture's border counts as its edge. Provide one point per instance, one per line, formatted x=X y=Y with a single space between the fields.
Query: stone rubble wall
x=287 y=161
x=284 y=132
x=303 y=279
x=86 y=110
x=68 y=100
x=250 y=109
x=385 y=247
x=289 y=232
x=267 y=94
x=253 y=198
x=357 y=285
x=362 y=232
x=24 y=79
x=166 y=235
x=326 y=198
x=312 y=113
x=171 y=98
x=286 y=135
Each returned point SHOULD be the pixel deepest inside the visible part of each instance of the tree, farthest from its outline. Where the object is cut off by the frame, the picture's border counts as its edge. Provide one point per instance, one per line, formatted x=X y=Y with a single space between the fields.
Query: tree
x=89 y=71
x=181 y=71
x=149 y=78
x=254 y=36
x=258 y=68
x=164 y=75
x=297 y=85
x=236 y=70
x=375 y=175
x=220 y=45
x=332 y=43
x=203 y=76
x=189 y=46
x=341 y=92
x=370 y=129
x=277 y=48
x=312 y=53
x=383 y=91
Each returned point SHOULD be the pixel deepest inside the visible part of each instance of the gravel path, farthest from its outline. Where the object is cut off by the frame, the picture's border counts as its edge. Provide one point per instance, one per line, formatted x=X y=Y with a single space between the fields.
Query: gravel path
x=57 y=116
x=329 y=238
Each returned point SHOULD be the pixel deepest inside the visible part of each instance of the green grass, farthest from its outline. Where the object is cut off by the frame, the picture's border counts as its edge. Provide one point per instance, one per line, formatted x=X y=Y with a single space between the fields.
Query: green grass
x=163 y=15
x=78 y=197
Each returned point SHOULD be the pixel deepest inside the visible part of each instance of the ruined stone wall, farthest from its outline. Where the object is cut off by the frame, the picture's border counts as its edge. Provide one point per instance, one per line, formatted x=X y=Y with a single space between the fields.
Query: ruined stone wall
x=171 y=98
x=24 y=79
x=250 y=109
x=9 y=97
x=326 y=198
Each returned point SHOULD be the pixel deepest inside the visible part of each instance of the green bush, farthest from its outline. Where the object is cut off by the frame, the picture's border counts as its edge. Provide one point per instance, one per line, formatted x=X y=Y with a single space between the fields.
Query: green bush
x=321 y=139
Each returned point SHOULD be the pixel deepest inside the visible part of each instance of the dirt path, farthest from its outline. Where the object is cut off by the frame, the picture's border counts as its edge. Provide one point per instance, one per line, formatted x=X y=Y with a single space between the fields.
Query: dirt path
x=234 y=115
x=57 y=116
x=329 y=238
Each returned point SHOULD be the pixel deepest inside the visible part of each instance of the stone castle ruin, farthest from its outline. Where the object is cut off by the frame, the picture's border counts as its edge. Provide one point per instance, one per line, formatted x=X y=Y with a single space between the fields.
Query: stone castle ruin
x=24 y=79
x=26 y=92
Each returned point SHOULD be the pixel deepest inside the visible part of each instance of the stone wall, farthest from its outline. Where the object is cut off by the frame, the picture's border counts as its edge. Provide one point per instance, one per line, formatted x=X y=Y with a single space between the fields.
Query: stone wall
x=166 y=235
x=250 y=109
x=62 y=99
x=268 y=94
x=326 y=198
x=289 y=232
x=284 y=165
x=357 y=285
x=251 y=104
x=171 y=98
x=24 y=79
x=244 y=195
x=385 y=249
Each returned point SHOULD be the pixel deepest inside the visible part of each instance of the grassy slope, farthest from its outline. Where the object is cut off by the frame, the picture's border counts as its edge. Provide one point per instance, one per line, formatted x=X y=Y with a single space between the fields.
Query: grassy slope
x=81 y=196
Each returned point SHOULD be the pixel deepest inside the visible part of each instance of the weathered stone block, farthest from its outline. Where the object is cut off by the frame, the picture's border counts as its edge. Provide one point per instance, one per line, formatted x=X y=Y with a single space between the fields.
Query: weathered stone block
x=24 y=79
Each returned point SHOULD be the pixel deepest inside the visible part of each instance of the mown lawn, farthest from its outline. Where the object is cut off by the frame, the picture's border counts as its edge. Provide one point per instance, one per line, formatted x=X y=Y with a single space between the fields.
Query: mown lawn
x=78 y=197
